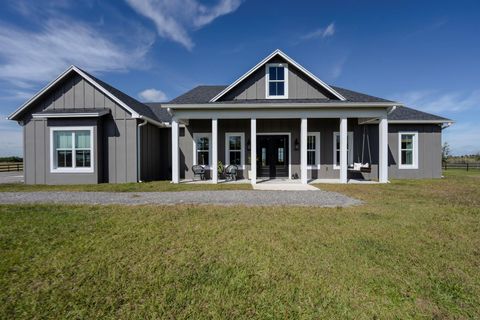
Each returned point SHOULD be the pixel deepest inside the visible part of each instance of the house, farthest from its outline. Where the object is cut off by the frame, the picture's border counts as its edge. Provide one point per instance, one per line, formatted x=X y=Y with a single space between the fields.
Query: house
x=79 y=129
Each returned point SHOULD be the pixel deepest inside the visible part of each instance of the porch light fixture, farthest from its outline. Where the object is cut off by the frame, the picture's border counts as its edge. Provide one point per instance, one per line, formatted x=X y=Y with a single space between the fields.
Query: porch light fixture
x=297 y=144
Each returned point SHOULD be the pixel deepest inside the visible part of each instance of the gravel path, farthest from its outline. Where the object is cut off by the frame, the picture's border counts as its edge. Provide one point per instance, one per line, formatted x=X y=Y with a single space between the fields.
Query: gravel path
x=231 y=197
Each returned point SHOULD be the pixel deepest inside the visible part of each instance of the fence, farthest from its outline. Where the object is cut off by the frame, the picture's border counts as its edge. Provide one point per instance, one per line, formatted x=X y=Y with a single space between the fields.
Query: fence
x=15 y=166
x=461 y=165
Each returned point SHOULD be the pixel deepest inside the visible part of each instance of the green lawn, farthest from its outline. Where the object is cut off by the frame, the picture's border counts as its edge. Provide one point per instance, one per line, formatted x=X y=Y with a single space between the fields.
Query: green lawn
x=412 y=251
x=159 y=186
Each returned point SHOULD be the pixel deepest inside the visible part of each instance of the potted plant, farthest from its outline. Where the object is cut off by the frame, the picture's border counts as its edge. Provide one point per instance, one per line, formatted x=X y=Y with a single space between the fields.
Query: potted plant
x=220 y=169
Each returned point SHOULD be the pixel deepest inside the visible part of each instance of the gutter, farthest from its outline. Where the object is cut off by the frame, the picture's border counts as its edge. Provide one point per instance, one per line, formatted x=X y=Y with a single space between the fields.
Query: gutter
x=139 y=141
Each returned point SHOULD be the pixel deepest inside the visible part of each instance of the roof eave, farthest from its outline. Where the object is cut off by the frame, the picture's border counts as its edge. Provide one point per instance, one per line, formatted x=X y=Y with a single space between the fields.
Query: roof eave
x=274 y=105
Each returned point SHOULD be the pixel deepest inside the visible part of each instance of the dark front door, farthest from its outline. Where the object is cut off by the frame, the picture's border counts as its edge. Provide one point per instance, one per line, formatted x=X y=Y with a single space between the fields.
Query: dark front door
x=272 y=156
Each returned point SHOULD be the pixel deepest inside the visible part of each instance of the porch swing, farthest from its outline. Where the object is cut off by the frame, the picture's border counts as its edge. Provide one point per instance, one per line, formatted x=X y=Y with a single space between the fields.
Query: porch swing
x=361 y=166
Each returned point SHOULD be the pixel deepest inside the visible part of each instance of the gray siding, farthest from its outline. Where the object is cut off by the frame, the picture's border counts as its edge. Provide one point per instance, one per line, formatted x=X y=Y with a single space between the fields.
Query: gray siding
x=299 y=86
x=115 y=136
x=429 y=151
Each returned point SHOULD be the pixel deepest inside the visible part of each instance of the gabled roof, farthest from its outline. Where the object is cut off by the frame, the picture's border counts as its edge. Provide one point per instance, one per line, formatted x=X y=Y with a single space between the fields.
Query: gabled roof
x=204 y=94
x=281 y=54
x=131 y=105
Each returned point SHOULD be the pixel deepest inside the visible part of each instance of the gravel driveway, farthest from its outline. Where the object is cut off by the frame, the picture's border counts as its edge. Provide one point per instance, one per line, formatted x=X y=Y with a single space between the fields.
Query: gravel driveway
x=317 y=198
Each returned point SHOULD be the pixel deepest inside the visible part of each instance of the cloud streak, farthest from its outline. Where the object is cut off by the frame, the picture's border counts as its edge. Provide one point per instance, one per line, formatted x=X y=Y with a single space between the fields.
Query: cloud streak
x=175 y=18
x=321 y=33
x=29 y=57
x=435 y=101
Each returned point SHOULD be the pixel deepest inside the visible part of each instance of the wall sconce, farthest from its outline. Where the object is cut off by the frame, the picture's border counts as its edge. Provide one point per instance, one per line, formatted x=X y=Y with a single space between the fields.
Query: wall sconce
x=297 y=145
x=248 y=145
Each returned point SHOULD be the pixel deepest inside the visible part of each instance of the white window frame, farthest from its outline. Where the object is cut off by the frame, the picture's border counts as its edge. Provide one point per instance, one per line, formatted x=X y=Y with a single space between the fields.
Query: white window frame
x=200 y=135
x=349 y=154
x=317 y=150
x=73 y=169
x=285 y=80
x=242 y=147
x=414 y=164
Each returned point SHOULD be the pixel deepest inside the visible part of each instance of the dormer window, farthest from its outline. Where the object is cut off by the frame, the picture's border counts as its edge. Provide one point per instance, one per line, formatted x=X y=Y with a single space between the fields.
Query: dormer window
x=277 y=81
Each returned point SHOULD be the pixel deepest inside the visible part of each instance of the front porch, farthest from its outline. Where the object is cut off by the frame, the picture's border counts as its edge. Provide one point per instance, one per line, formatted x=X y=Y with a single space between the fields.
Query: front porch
x=298 y=150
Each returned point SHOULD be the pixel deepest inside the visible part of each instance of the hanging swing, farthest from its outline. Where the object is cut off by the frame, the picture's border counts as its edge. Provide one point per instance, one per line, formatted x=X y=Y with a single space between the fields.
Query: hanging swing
x=361 y=166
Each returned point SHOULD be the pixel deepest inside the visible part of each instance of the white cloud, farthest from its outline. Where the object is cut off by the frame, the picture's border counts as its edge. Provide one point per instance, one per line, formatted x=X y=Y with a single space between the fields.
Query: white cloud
x=11 y=134
x=152 y=95
x=437 y=102
x=175 y=18
x=328 y=31
x=29 y=57
x=463 y=138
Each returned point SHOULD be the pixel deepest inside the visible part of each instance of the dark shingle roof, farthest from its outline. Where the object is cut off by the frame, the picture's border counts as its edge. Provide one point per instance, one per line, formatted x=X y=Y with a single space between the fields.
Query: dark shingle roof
x=406 y=113
x=153 y=111
x=203 y=94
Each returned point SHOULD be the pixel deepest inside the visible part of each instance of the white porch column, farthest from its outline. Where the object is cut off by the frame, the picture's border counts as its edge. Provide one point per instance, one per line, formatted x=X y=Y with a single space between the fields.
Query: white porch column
x=175 y=151
x=383 y=150
x=303 y=150
x=343 y=150
x=253 y=150
x=214 y=163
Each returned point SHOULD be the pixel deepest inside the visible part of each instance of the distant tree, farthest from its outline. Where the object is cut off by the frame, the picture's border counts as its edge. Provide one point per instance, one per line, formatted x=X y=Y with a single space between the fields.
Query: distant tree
x=446 y=151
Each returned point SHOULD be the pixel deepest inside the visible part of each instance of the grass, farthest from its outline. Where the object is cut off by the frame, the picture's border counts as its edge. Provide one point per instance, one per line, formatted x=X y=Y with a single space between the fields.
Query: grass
x=411 y=252
x=158 y=186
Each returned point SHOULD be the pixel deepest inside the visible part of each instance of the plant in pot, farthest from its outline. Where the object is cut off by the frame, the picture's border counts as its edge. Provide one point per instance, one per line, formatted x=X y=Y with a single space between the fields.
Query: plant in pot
x=220 y=169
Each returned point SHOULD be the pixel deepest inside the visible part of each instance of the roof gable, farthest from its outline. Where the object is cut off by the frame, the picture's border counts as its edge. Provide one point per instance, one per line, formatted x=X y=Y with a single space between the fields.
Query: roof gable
x=278 y=53
x=135 y=108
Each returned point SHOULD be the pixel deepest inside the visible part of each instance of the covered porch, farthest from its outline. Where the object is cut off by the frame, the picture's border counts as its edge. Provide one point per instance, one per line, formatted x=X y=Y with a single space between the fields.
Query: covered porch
x=318 y=145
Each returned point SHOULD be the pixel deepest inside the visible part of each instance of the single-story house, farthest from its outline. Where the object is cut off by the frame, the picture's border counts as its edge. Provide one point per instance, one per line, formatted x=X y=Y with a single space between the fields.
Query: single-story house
x=79 y=129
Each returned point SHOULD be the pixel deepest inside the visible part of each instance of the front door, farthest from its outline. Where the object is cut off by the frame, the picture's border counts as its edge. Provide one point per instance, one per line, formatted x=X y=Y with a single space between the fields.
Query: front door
x=272 y=156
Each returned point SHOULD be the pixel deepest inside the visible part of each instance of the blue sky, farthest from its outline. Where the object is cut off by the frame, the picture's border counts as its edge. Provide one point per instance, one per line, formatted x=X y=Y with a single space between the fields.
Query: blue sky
x=422 y=53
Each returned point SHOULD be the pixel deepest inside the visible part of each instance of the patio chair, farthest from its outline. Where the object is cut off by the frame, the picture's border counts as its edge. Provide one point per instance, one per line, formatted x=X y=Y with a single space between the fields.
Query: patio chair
x=198 y=171
x=231 y=172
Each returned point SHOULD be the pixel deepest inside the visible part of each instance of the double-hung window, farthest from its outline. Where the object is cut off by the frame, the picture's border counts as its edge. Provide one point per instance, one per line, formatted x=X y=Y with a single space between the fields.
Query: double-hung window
x=234 y=148
x=313 y=150
x=202 y=149
x=71 y=149
x=277 y=81
x=408 y=150
x=336 y=149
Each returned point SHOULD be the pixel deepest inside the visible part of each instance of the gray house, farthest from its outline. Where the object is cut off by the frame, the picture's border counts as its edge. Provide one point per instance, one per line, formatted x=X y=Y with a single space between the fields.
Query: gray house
x=79 y=129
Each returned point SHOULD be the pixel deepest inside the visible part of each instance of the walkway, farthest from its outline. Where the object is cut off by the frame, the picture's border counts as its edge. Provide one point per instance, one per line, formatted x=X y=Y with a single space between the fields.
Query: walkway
x=316 y=198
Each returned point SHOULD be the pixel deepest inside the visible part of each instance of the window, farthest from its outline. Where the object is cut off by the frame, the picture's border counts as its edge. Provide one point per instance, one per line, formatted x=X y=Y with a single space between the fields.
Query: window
x=234 y=148
x=71 y=149
x=201 y=149
x=336 y=149
x=277 y=81
x=313 y=150
x=408 y=150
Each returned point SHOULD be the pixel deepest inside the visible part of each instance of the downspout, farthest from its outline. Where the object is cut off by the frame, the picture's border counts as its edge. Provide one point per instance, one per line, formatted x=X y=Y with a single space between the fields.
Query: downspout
x=139 y=141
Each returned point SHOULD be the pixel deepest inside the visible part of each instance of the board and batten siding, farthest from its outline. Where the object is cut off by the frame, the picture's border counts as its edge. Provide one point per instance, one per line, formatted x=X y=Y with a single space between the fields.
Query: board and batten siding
x=115 y=136
x=299 y=86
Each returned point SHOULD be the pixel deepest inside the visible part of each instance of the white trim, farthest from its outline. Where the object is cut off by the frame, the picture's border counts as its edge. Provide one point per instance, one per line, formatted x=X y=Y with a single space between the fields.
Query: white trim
x=383 y=150
x=175 y=152
x=242 y=149
x=303 y=150
x=71 y=114
x=53 y=168
x=290 y=61
x=278 y=105
x=285 y=80
x=349 y=154
x=214 y=147
x=414 y=165
x=420 y=121
x=209 y=136
x=253 y=151
x=289 y=134
x=316 y=134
